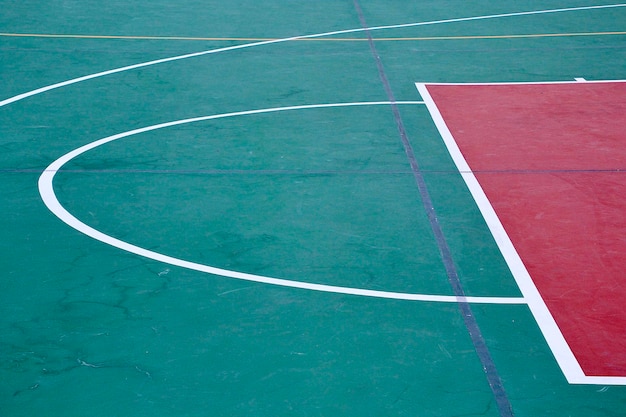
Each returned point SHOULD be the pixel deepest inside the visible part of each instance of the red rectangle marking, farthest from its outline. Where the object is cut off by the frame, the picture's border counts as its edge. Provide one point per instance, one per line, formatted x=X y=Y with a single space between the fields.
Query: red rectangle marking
x=551 y=158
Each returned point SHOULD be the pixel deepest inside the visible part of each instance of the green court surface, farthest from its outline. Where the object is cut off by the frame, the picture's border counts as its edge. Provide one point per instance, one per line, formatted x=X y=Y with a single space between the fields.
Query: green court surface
x=285 y=162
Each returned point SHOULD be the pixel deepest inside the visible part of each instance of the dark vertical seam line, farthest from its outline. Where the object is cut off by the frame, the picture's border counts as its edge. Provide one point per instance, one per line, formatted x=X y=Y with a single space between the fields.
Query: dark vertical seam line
x=493 y=378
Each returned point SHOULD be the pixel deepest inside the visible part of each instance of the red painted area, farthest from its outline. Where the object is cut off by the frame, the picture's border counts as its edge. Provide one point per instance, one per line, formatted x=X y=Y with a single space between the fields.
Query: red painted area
x=552 y=161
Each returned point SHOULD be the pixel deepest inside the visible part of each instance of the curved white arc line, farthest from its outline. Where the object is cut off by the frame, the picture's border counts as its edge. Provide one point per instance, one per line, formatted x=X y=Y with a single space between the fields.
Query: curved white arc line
x=293 y=38
x=49 y=197
x=46 y=191
x=135 y=66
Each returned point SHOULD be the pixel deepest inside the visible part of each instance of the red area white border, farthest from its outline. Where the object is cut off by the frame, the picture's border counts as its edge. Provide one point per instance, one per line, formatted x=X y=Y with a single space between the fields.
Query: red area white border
x=556 y=341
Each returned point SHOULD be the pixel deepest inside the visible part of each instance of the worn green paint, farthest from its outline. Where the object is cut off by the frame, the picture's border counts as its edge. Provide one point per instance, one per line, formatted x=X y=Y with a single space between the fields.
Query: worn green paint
x=89 y=330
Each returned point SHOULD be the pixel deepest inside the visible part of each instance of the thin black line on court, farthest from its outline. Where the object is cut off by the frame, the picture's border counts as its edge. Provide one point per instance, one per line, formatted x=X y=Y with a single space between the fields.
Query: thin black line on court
x=493 y=378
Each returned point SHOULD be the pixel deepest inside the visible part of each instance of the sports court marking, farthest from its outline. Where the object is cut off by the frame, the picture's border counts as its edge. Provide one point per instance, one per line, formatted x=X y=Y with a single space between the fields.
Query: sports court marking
x=226 y=39
x=506 y=139
x=478 y=341
x=294 y=38
x=46 y=189
x=47 y=192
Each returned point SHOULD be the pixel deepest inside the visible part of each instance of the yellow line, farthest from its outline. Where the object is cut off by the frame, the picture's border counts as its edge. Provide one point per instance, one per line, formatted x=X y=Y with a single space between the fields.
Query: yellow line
x=165 y=38
x=531 y=35
x=224 y=39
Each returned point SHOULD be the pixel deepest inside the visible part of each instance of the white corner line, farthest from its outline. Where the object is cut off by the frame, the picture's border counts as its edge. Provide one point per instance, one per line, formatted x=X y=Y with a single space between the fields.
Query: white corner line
x=553 y=335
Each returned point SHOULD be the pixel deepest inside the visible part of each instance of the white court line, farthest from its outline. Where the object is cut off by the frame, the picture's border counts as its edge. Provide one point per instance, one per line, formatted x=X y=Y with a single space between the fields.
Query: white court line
x=317 y=35
x=574 y=81
x=45 y=182
x=46 y=190
x=555 y=339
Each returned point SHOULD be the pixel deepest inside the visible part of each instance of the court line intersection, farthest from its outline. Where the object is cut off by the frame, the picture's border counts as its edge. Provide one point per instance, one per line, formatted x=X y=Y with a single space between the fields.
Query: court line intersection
x=47 y=192
x=554 y=336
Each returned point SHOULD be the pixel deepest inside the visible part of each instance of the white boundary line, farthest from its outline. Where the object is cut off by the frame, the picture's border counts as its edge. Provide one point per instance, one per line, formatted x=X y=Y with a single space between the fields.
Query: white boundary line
x=574 y=81
x=317 y=35
x=45 y=182
x=561 y=350
x=46 y=190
